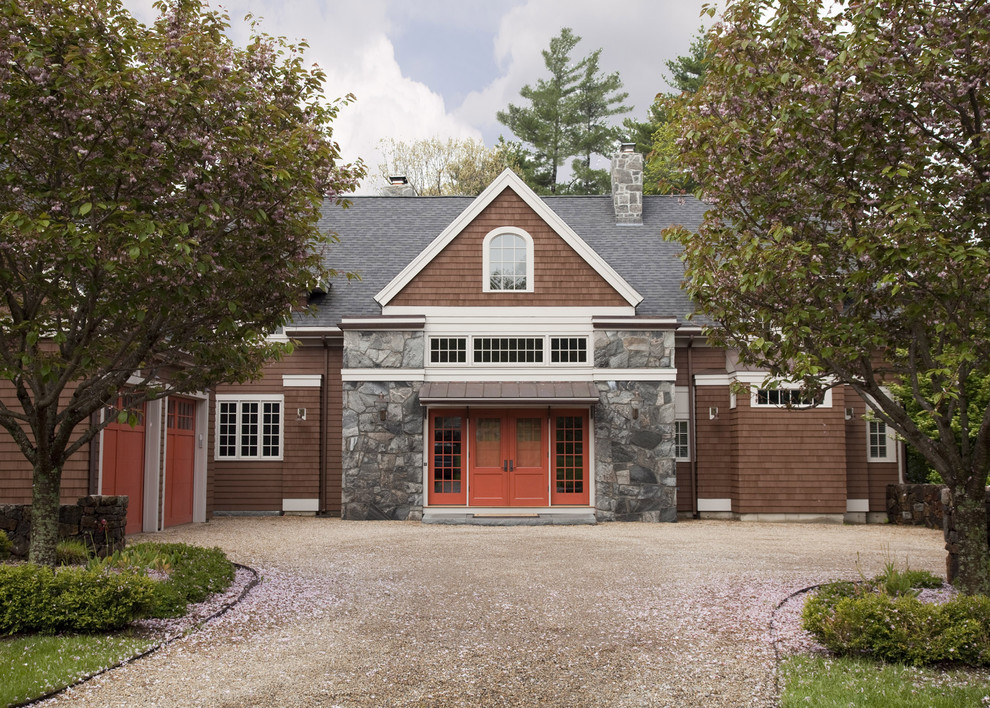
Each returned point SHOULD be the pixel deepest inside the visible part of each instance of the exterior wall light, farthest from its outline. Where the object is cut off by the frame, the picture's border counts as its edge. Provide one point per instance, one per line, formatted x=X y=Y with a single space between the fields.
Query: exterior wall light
x=382 y=406
x=713 y=413
x=635 y=408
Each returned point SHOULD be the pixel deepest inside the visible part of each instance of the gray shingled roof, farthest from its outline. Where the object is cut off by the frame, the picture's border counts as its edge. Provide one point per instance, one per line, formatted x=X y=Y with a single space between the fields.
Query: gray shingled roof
x=379 y=236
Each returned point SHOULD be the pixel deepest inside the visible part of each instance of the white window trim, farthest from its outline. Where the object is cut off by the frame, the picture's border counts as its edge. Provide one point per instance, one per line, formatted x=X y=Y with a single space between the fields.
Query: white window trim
x=547 y=362
x=486 y=259
x=891 y=455
x=826 y=399
x=247 y=398
x=686 y=458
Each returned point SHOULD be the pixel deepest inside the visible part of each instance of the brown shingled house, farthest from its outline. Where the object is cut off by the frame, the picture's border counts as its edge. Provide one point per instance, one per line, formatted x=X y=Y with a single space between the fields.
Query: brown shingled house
x=513 y=358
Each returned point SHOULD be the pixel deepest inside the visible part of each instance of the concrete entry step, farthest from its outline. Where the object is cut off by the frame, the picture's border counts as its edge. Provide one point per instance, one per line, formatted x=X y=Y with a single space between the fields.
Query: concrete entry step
x=511 y=519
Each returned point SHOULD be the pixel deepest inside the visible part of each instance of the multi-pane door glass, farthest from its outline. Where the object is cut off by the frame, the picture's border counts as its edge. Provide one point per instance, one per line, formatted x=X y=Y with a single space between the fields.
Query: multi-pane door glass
x=569 y=452
x=448 y=468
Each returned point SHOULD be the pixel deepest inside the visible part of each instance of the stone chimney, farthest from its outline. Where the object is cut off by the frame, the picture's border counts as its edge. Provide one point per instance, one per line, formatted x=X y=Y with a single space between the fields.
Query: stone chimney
x=627 y=185
x=398 y=186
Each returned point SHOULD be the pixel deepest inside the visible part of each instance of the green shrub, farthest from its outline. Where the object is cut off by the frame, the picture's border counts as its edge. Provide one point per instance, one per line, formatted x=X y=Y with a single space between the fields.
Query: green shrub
x=899 y=628
x=71 y=551
x=36 y=598
x=6 y=546
x=187 y=573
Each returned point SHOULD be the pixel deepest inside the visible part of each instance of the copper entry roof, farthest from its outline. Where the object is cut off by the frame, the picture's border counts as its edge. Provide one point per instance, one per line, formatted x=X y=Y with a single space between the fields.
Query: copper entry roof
x=508 y=391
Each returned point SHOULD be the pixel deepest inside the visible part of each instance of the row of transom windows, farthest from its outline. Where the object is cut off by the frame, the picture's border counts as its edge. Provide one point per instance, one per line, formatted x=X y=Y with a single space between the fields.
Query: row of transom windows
x=509 y=350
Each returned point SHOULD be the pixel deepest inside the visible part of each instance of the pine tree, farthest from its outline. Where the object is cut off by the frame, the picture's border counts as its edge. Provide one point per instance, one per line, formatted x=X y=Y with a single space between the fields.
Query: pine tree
x=567 y=117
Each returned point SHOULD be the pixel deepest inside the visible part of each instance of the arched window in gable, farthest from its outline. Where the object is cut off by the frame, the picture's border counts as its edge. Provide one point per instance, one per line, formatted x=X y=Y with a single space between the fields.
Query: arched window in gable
x=508 y=261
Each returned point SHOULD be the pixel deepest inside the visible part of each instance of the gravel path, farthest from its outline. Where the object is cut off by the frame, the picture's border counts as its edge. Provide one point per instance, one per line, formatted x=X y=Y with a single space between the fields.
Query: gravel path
x=391 y=613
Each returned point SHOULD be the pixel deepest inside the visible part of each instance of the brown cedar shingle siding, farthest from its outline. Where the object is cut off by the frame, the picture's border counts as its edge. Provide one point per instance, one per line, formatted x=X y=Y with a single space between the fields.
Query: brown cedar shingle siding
x=16 y=472
x=791 y=461
x=561 y=277
x=715 y=445
x=261 y=486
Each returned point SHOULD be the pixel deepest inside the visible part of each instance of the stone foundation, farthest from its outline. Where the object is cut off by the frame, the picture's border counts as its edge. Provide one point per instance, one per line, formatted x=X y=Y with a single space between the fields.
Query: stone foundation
x=97 y=521
x=915 y=504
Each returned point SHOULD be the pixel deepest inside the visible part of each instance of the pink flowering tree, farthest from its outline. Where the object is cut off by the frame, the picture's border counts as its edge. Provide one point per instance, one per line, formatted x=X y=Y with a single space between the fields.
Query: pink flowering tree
x=845 y=153
x=159 y=192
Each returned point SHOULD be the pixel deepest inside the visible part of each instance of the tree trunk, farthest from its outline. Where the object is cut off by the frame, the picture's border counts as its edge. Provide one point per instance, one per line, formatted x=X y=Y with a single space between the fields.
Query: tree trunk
x=971 y=545
x=45 y=503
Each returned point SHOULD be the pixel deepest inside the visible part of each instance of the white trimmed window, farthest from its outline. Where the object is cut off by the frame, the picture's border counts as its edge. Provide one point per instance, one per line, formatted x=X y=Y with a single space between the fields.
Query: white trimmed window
x=682 y=441
x=508 y=261
x=448 y=350
x=788 y=398
x=249 y=428
x=881 y=446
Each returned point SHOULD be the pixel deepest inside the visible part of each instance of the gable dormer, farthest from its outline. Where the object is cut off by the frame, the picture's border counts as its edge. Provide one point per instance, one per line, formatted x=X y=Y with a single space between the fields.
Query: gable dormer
x=508 y=248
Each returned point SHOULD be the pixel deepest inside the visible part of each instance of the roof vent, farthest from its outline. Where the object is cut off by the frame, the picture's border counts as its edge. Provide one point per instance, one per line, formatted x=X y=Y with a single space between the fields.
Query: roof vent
x=627 y=147
x=396 y=180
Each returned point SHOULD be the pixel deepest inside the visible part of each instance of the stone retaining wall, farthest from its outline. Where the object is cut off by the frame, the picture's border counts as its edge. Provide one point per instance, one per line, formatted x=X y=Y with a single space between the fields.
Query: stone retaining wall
x=98 y=521
x=915 y=504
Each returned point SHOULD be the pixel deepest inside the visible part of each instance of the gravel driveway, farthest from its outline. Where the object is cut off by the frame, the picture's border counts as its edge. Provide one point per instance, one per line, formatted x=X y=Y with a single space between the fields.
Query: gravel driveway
x=397 y=613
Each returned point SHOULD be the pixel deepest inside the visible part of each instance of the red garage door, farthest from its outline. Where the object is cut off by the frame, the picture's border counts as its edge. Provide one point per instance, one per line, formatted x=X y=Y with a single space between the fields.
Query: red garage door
x=123 y=466
x=180 y=449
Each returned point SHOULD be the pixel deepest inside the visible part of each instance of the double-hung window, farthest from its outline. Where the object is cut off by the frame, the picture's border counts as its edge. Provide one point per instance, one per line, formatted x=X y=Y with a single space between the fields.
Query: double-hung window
x=249 y=428
x=881 y=446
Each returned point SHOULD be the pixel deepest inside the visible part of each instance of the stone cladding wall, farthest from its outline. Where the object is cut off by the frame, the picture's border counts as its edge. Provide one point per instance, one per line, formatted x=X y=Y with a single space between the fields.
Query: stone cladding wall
x=383 y=350
x=97 y=521
x=382 y=459
x=915 y=504
x=635 y=472
x=627 y=187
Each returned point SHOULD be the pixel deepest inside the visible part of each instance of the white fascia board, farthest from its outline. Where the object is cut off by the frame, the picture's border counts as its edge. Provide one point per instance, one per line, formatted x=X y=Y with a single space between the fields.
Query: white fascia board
x=482 y=314
x=311 y=331
x=505 y=373
x=712 y=379
x=661 y=375
x=302 y=380
x=382 y=375
x=508 y=179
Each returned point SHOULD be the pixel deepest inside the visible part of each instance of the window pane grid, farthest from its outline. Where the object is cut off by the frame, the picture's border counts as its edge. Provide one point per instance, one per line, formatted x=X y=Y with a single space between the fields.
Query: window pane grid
x=447 y=455
x=508 y=350
x=249 y=430
x=228 y=429
x=245 y=429
x=448 y=350
x=681 y=447
x=878 y=440
x=568 y=350
x=271 y=428
x=569 y=454
x=507 y=262
x=784 y=397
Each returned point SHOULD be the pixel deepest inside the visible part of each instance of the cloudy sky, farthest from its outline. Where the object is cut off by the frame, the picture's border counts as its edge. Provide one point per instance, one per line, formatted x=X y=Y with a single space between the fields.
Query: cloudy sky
x=423 y=68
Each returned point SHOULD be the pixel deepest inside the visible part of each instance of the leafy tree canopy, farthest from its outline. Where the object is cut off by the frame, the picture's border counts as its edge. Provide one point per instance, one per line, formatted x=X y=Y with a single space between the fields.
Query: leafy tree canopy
x=436 y=167
x=160 y=191
x=846 y=157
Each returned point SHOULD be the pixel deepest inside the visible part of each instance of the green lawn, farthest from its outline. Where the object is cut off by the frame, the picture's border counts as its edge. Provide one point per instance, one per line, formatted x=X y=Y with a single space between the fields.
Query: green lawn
x=824 y=682
x=34 y=665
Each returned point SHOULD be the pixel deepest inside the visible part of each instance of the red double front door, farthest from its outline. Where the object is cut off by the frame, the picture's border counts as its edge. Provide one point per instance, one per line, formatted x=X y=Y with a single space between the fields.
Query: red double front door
x=498 y=458
x=508 y=463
